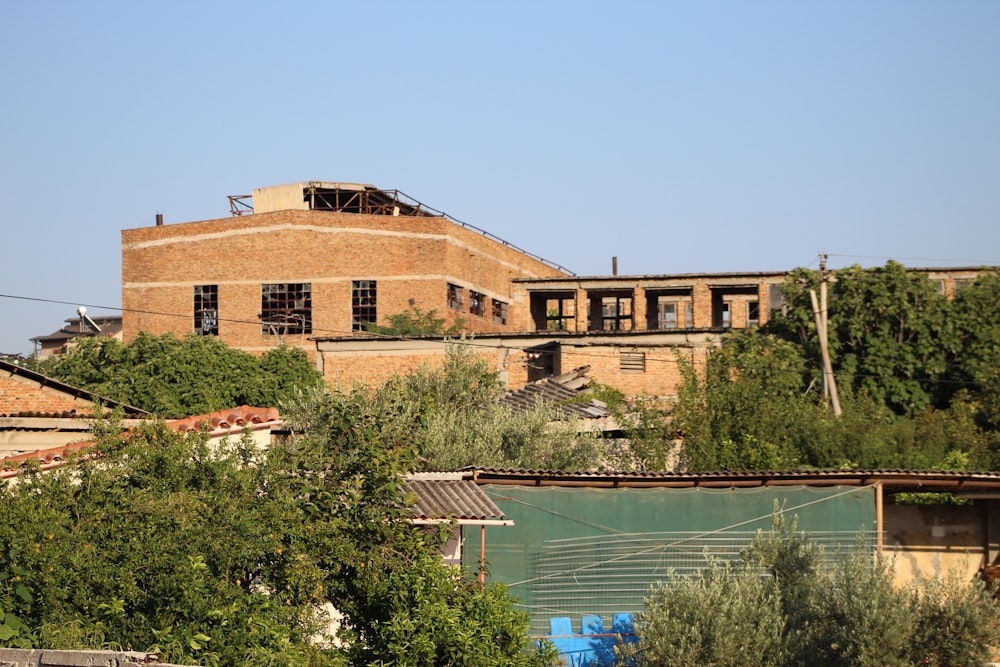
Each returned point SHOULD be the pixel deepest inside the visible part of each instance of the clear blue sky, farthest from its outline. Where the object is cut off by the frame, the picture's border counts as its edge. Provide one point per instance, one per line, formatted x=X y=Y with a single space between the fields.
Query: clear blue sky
x=677 y=136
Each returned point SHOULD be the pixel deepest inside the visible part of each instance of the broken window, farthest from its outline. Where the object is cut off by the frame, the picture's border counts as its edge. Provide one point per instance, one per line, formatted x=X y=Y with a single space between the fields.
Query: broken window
x=499 y=312
x=689 y=315
x=663 y=307
x=206 y=310
x=753 y=313
x=456 y=297
x=616 y=313
x=667 y=316
x=727 y=320
x=633 y=362
x=477 y=303
x=363 y=304
x=286 y=308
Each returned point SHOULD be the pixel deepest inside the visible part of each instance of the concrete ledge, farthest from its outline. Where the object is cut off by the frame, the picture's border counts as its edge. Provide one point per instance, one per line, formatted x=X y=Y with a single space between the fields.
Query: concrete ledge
x=12 y=657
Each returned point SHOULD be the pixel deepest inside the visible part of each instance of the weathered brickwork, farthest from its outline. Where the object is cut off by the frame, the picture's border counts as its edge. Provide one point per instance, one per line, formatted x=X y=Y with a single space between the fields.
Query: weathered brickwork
x=19 y=395
x=347 y=362
x=412 y=260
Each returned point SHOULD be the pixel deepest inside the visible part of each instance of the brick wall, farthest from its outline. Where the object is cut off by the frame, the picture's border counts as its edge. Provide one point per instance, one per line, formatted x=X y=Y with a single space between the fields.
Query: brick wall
x=19 y=395
x=412 y=260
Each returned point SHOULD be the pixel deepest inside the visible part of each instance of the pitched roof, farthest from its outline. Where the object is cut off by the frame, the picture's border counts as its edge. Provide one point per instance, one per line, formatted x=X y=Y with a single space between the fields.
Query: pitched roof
x=50 y=383
x=442 y=497
x=564 y=392
x=218 y=424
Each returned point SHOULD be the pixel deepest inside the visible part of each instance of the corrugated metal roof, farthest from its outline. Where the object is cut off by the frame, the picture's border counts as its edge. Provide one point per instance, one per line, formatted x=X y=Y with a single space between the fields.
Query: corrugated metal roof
x=563 y=392
x=891 y=479
x=458 y=499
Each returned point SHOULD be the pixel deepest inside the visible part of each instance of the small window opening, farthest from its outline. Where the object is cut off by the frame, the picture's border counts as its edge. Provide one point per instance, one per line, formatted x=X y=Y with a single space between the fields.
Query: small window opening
x=477 y=303
x=456 y=297
x=633 y=362
x=363 y=303
x=499 y=312
x=206 y=310
x=753 y=313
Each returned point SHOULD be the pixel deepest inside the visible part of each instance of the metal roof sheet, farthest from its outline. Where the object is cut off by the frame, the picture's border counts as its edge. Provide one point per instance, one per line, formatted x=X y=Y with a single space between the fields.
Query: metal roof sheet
x=458 y=499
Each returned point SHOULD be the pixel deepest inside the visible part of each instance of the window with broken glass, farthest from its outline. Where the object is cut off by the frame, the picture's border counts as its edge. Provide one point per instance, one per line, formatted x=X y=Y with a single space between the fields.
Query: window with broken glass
x=456 y=297
x=477 y=303
x=286 y=308
x=363 y=303
x=499 y=312
x=206 y=310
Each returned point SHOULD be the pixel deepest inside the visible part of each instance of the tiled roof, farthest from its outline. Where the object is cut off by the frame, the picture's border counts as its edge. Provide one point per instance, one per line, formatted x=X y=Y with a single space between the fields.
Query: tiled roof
x=894 y=480
x=228 y=419
x=561 y=391
x=216 y=423
x=458 y=499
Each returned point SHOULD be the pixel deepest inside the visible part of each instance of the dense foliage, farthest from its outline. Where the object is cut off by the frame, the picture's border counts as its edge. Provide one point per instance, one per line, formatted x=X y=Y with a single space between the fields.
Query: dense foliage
x=451 y=416
x=779 y=606
x=230 y=556
x=177 y=377
x=917 y=376
x=416 y=322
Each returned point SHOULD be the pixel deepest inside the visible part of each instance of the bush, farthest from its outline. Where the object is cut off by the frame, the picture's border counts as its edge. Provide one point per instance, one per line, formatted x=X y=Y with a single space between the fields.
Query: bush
x=779 y=606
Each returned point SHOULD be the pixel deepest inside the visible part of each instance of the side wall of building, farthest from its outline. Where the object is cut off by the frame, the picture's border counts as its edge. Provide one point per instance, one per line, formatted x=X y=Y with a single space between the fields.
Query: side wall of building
x=412 y=260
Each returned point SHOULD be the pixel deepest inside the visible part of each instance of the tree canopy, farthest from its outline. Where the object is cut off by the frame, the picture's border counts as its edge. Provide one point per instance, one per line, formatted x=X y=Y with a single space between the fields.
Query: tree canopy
x=177 y=377
x=917 y=375
x=234 y=556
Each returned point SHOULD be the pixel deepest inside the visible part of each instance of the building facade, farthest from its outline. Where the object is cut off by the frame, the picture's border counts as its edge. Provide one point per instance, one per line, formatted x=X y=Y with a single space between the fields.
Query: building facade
x=317 y=259
x=314 y=264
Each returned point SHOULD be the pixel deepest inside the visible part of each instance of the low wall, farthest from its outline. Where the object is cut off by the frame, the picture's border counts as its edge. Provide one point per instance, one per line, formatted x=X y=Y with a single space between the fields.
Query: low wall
x=12 y=657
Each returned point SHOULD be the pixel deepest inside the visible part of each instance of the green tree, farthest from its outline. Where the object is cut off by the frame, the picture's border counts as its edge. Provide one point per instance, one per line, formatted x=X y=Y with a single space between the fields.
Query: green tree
x=176 y=377
x=229 y=555
x=415 y=322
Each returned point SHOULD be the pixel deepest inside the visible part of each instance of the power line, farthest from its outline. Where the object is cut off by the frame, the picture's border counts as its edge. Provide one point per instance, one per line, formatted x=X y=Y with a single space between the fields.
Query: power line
x=473 y=343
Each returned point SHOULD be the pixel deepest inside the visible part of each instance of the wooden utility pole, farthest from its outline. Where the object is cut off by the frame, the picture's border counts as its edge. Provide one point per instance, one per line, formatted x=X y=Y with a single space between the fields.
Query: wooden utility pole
x=819 y=312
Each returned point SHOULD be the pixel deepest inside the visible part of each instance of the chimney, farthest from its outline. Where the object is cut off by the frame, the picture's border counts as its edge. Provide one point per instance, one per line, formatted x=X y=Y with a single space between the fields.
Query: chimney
x=159 y=219
x=614 y=266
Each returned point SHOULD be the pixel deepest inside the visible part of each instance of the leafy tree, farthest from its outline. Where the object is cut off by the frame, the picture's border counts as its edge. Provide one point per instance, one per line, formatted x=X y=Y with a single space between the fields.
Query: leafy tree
x=176 y=377
x=416 y=322
x=452 y=416
x=229 y=556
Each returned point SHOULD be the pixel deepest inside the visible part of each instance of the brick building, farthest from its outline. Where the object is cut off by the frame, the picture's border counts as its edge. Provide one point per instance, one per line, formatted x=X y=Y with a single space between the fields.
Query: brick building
x=309 y=264
x=316 y=259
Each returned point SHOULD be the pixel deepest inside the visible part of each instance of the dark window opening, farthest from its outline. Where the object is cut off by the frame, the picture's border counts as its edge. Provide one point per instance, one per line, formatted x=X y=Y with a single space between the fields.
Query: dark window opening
x=286 y=308
x=775 y=300
x=363 y=304
x=456 y=297
x=553 y=311
x=206 y=310
x=663 y=307
x=611 y=312
x=543 y=361
x=753 y=313
x=499 y=312
x=477 y=303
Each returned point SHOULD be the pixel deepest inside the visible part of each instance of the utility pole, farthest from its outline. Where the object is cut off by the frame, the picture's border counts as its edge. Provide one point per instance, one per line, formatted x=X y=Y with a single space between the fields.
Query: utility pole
x=819 y=312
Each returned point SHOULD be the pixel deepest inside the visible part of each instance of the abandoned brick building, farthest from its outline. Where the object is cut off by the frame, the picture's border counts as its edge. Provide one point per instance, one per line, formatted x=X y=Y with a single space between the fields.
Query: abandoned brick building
x=310 y=264
x=313 y=259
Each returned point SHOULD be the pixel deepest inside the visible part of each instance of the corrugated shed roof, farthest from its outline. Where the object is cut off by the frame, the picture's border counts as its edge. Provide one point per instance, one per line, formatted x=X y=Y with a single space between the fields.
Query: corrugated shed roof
x=458 y=499
x=894 y=480
x=561 y=391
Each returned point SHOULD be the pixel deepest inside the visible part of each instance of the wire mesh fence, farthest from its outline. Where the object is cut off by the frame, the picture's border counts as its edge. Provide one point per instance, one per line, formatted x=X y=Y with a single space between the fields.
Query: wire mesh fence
x=609 y=574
